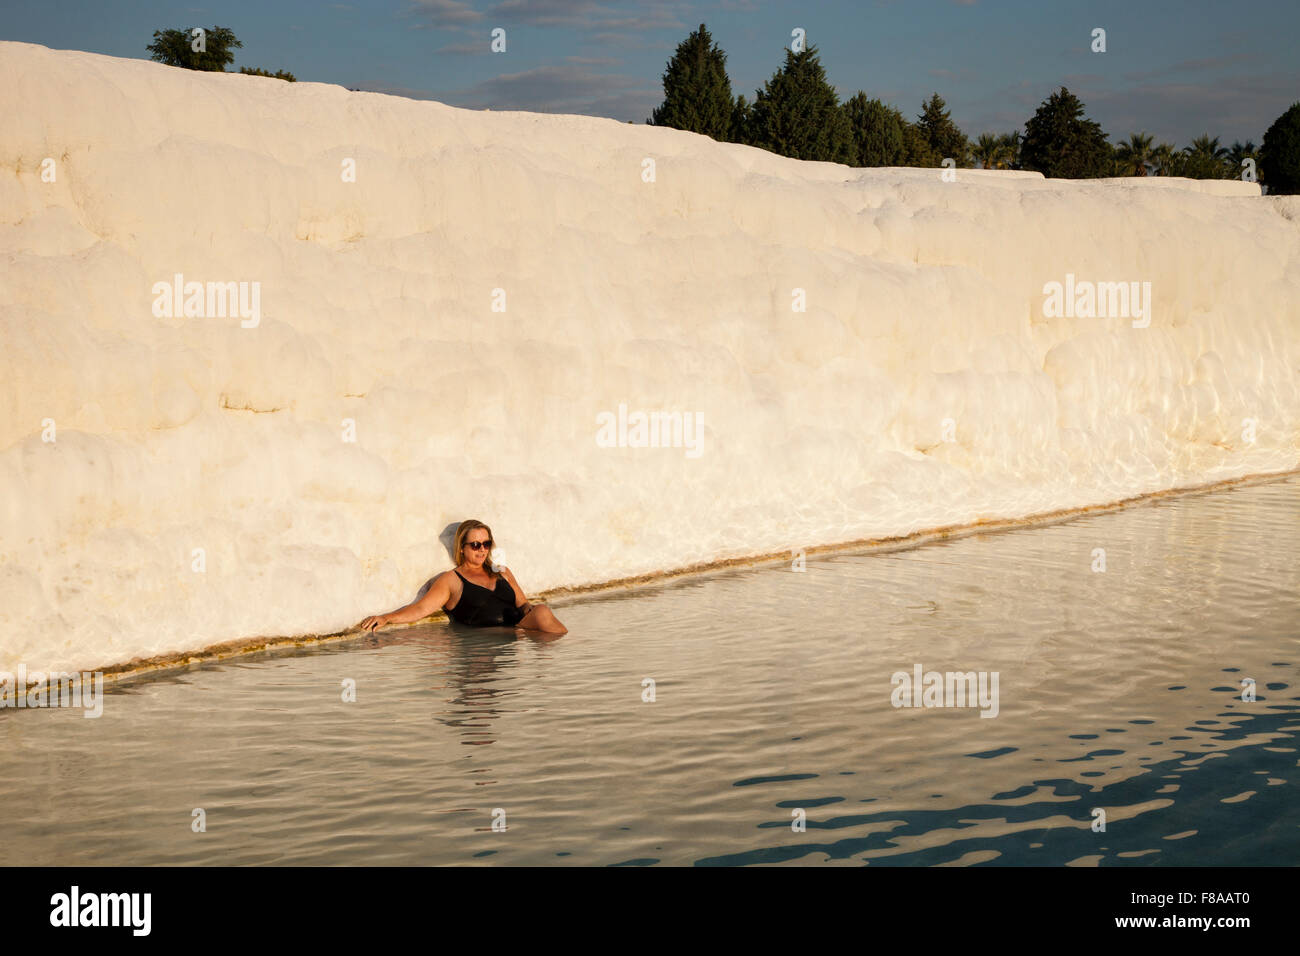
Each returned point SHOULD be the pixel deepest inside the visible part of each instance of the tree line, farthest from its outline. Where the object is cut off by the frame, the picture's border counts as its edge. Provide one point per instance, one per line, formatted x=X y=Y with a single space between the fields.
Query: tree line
x=215 y=53
x=798 y=114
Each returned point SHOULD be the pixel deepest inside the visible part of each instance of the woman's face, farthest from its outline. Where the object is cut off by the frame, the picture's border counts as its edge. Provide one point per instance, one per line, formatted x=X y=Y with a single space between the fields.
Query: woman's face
x=474 y=557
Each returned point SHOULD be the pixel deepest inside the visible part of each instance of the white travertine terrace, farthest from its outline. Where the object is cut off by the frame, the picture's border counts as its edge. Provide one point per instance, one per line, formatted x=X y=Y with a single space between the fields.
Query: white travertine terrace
x=925 y=302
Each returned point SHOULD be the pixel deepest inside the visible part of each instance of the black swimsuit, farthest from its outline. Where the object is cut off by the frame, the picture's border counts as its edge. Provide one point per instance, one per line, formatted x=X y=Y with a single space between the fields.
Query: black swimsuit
x=480 y=607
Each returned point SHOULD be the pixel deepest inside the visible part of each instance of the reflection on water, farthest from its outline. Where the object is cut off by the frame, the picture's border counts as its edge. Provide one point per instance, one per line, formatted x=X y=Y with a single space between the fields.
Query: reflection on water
x=1120 y=693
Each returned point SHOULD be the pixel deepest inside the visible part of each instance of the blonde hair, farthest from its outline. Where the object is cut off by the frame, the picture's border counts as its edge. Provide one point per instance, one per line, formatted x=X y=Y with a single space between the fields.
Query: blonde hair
x=462 y=532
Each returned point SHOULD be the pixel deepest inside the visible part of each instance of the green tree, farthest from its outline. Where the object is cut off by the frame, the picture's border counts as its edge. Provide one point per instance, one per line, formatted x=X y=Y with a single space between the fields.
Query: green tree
x=1062 y=143
x=987 y=151
x=941 y=134
x=877 y=132
x=176 y=48
x=1279 y=155
x=996 y=150
x=916 y=148
x=1238 y=152
x=697 y=93
x=798 y=114
x=1166 y=160
x=741 y=120
x=277 y=75
x=1010 y=143
x=1135 y=156
x=1205 y=158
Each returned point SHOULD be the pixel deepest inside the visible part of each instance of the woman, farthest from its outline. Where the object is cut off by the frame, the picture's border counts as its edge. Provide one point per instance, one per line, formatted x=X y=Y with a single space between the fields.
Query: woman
x=475 y=593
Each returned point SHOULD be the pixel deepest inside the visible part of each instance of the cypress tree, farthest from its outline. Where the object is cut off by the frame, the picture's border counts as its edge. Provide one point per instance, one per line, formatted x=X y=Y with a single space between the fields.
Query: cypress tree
x=1062 y=143
x=945 y=140
x=1279 y=155
x=740 y=121
x=877 y=132
x=916 y=148
x=697 y=93
x=797 y=113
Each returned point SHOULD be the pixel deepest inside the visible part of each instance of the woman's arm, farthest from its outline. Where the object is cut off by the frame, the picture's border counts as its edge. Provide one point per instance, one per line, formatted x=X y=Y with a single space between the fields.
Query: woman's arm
x=439 y=593
x=521 y=601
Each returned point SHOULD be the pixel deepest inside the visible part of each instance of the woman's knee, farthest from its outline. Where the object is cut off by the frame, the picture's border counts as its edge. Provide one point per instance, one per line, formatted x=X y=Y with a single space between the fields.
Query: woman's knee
x=547 y=618
x=537 y=614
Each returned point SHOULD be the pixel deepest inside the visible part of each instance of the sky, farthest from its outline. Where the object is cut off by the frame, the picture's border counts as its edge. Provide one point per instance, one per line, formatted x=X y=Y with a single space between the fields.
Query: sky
x=1172 y=69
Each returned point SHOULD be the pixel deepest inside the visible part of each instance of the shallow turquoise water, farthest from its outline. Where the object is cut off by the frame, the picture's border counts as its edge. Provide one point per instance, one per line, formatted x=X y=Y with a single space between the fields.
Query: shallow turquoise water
x=1119 y=691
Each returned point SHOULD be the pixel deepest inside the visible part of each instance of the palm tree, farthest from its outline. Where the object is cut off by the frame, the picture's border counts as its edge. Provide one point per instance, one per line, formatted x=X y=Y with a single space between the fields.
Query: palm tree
x=1239 y=152
x=1117 y=167
x=1010 y=143
x=1134 y=156
x=1166 y=160
x=1206 y=145
x=1206 y=159
x=987 y=151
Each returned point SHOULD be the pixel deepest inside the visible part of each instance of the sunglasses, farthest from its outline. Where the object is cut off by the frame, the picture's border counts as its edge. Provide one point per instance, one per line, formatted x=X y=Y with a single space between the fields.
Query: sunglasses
x=479 y=545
